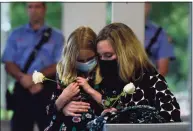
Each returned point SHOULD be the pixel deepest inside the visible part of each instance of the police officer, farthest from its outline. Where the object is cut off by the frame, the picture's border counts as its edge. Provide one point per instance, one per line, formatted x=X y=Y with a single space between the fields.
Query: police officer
x=30 y=100
x=160 y=51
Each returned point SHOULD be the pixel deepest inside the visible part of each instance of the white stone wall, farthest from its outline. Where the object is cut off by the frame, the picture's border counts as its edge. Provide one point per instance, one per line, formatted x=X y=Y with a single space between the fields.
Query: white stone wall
x=131 y=14
x=83 y=14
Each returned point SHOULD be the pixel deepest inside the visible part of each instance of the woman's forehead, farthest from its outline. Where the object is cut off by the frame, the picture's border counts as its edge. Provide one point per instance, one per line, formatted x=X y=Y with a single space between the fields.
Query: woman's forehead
x=104 y=46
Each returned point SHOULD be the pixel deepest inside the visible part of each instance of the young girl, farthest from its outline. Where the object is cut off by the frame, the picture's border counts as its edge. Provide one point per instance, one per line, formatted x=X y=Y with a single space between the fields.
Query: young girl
x=79 y=71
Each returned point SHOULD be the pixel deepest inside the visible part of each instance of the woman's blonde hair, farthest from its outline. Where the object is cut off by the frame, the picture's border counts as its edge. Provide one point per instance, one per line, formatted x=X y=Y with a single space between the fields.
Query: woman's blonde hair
x=81 y=38
x=131 y=56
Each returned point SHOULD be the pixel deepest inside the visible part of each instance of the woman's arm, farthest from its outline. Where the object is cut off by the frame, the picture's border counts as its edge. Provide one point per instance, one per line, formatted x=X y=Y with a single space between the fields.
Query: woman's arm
x=55 y=116
x=67 y=94
x=166 y=102
x=58 y=100
x=75 y=107
x=62 y=105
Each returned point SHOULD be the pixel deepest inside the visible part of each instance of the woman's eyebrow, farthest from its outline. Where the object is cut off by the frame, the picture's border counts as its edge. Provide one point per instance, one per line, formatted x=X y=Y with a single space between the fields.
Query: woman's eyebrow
x=107 y=53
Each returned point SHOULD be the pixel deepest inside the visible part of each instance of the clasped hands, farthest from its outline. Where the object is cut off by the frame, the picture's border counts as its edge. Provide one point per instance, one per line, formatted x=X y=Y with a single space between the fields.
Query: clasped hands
x=26 y=81
x=74 y=106
x=69 y=102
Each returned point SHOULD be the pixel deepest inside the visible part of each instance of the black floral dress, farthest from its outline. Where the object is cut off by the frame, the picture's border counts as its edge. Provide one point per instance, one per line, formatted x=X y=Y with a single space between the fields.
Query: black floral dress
x=60 y=122
x=152 y=102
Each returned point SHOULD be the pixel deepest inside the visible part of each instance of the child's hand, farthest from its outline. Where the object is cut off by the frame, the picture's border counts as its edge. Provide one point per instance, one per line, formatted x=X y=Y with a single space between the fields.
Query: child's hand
x=70 y=91
x=88 y=89
x=84 y=83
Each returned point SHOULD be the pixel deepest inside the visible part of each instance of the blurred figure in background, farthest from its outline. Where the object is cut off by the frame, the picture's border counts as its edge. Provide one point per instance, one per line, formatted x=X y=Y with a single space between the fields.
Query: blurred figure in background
x=158 y=48
x=34 y=46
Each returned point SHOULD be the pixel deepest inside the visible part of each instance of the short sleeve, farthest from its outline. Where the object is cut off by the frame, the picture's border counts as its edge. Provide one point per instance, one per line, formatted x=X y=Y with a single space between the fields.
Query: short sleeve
x=58 y=48
x=165 y=49
x=10 y=49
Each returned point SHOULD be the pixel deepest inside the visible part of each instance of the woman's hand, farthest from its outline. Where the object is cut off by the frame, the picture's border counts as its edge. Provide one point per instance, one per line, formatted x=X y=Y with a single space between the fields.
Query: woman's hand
x=84 y=83
x=67 y=94
x=74 y=107
x=108 y=110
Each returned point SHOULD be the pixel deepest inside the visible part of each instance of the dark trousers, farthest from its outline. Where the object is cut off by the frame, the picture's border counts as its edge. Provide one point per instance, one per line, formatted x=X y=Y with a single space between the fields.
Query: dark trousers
x=30 y=109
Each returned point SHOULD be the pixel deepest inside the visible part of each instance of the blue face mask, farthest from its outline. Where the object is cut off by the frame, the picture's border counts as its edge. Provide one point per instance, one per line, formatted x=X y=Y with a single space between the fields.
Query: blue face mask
x=87 y=66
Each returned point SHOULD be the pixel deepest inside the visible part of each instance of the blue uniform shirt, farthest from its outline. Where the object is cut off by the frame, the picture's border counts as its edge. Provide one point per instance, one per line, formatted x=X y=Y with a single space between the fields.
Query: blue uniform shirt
x=23 y=40
x=161 y=48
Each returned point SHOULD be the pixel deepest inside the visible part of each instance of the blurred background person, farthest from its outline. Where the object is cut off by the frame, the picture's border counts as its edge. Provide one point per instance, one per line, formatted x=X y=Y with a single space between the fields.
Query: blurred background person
x=158 y=48
x=29 y=100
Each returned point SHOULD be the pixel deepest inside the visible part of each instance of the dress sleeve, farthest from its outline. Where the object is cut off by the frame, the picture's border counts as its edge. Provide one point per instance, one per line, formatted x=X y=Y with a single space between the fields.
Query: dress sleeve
x=101 y=91
x=166 y=102
x=55 y=116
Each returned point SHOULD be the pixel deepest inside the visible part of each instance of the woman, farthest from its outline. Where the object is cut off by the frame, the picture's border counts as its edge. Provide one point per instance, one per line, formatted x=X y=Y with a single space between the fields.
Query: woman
x=78 y=69
x=122 y=60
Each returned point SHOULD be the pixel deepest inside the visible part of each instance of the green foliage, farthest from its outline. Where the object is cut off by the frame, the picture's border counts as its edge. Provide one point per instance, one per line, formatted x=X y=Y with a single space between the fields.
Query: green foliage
x=175 y=19
x=109 y=12
x=19 y=14
x=6 y=114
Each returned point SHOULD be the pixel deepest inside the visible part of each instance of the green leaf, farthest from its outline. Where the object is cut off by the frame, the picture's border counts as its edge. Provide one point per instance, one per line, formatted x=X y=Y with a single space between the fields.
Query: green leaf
x=18 y=12
x=107 y=103
x=168 y=15
x=112 y=99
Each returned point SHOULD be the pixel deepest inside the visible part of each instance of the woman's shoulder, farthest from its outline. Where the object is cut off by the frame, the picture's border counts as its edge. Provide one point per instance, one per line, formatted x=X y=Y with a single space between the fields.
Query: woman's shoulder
x=149 y=77
x=152 y=75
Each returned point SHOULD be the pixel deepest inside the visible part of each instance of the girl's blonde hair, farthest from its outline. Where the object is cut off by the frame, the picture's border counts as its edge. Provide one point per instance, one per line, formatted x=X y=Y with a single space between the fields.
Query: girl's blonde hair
x=81 y=38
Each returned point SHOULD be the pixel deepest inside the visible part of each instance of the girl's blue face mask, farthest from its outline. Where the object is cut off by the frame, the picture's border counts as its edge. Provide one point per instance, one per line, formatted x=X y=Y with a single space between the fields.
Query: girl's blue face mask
x=87 y=66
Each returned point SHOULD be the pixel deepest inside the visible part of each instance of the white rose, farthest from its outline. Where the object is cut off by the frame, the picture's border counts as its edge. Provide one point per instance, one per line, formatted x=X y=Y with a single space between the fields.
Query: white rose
x=37 y=77
x=129 y=88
